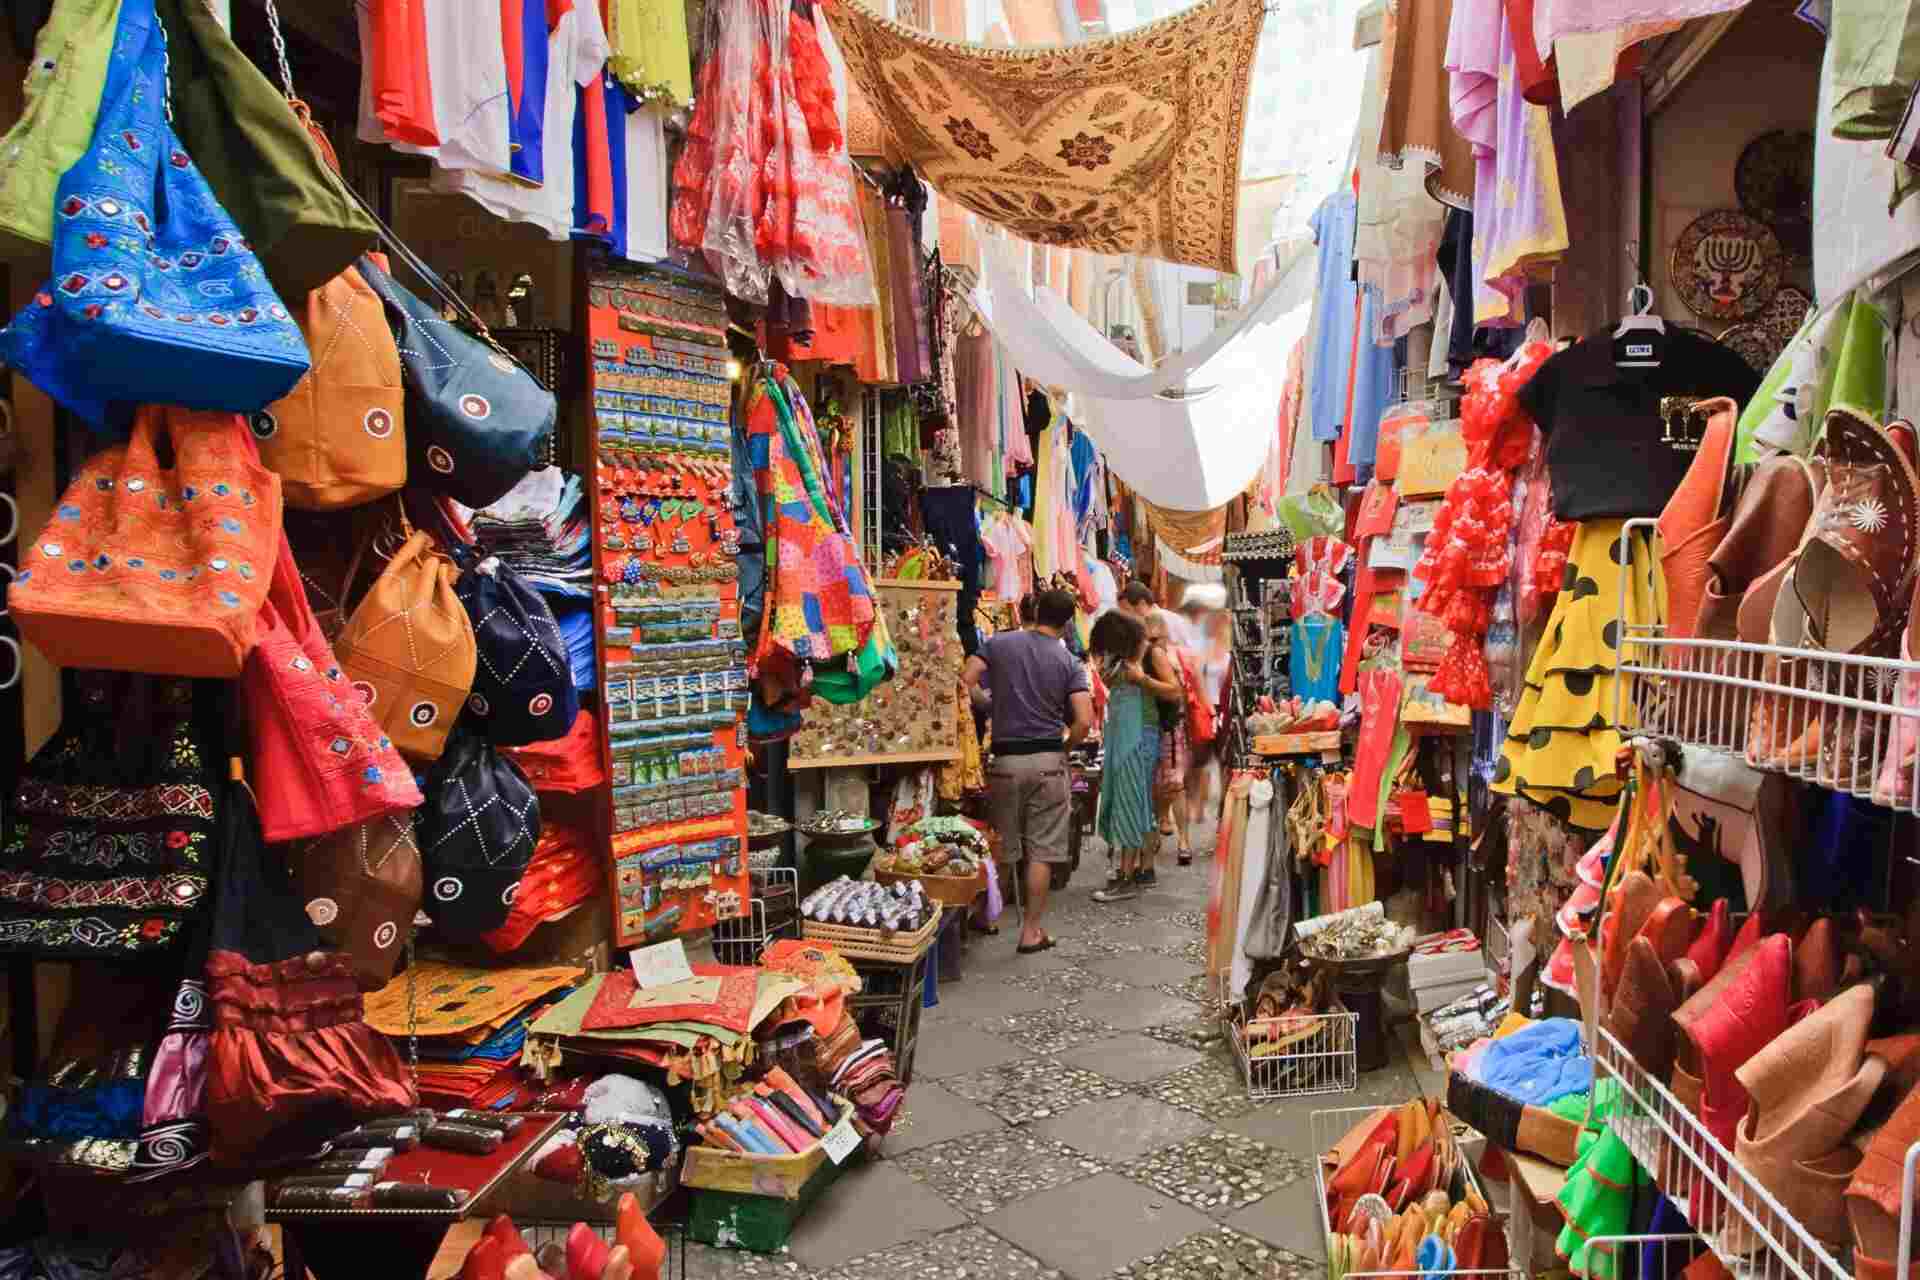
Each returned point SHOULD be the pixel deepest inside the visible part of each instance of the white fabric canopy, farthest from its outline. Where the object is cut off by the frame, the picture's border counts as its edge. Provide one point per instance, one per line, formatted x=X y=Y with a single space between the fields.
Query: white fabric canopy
x=1189 y=435
x=1854 y=239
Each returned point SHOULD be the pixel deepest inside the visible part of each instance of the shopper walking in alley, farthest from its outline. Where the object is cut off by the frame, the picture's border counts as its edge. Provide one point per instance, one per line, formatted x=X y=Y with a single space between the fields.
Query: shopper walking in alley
x=1205 y=608
x=1041 y=705
x=1132 y=740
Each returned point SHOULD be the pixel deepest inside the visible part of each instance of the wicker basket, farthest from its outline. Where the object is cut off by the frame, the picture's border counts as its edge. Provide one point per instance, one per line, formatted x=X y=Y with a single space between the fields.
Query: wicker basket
x=953 y=891
x=873 y=944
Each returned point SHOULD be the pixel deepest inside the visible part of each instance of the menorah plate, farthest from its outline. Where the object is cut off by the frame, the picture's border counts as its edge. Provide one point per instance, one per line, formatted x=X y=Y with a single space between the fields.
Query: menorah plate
x=1726 y=265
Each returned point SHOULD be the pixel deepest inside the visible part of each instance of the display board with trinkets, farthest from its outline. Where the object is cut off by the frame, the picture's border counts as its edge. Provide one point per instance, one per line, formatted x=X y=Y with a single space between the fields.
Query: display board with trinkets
x=912 y=718
x=673 y=674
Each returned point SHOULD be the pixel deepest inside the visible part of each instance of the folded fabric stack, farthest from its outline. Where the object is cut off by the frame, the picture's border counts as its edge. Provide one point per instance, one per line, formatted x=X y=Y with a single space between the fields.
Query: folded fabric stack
x=471 y=1024
x=697 y=1031
x=562 y=876
x=541 y=530
x=865 y=1075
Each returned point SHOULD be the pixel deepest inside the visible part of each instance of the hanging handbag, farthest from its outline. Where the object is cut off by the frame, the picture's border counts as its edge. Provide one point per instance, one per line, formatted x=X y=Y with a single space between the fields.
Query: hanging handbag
x=156 y=296
x=109 y=828
x=321 y=762
x=523 y=683
x=291 y=1062
x=66 y=71
x=156 y=569
x=477 y=831
x=477 y=421
x=408 y=648
x=362 y=888
x=258 y=155
x=338 y=439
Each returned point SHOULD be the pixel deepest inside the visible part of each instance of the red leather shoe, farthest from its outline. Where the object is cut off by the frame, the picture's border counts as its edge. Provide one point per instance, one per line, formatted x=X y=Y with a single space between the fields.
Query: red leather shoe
x=646 y=1250
x=511 y=1243
x=1816 y=962
x=586 y=1253
x=1630 y=905
x=1749 y=1014
x=1641 y=1015
x=1706 y=953
x=484 y=1261
x=1873 y=1196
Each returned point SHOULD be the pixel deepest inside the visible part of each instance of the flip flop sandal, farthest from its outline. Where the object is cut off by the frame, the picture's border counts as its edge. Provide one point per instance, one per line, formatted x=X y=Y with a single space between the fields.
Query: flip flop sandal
x=1045 y=944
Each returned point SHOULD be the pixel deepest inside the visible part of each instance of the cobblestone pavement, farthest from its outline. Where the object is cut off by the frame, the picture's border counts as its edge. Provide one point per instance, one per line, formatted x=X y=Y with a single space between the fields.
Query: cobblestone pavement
x=1077 y=1114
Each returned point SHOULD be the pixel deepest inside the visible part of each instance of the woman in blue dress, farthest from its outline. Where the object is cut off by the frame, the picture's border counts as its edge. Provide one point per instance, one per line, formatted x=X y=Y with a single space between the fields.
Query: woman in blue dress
x=1131 y=738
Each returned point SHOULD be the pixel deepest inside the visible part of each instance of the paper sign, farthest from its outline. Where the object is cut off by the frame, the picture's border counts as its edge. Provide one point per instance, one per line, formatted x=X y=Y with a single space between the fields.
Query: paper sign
x=658 y=965
x=841 y=1141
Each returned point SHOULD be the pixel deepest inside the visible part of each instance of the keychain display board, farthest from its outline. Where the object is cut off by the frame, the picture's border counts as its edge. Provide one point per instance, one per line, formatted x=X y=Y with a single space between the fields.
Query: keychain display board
x=673 y=672
x=912 y=718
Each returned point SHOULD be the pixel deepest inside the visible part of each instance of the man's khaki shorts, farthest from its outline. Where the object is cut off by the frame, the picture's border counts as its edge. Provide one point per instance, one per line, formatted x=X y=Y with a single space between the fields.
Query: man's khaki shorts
x=1030 y=803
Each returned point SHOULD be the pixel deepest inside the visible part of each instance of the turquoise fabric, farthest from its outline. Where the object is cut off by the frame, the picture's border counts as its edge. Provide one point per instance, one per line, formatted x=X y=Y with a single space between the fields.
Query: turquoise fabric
x=1126 y=783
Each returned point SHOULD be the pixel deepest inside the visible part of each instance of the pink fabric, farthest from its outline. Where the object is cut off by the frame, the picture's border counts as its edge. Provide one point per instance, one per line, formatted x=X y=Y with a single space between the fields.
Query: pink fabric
x=1518 y=217
x=1379 y=717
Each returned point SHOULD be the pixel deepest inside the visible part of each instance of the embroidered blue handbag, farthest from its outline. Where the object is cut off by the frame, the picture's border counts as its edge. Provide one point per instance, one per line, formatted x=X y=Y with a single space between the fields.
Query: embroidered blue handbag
x=477 y=420
x=156 y=298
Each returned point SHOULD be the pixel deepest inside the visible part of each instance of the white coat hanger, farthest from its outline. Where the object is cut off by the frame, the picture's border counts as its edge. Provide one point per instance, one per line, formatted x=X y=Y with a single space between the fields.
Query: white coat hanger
x=1639 y=323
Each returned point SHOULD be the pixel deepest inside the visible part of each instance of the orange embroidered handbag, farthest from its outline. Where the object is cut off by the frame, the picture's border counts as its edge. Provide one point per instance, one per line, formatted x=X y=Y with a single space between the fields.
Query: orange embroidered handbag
x=151 y=568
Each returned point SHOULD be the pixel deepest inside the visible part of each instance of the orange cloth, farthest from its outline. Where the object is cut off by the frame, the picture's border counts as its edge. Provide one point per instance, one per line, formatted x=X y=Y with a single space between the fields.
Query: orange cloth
x=1695 y=519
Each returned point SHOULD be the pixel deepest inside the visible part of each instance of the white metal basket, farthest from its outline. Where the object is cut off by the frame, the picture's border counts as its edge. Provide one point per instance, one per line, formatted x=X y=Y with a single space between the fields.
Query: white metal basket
x=1311 y=1053
x=1841 y=722
x=1328 y=1127
x=1739 y=1219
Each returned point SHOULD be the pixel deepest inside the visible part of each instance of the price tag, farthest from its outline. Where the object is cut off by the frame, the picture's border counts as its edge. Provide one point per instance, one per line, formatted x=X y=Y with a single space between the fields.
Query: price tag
x=841 y=1141
x=660 y=965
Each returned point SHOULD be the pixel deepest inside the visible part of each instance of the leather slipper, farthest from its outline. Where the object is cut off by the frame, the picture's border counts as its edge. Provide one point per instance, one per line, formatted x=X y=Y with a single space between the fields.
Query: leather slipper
x=1045 y=944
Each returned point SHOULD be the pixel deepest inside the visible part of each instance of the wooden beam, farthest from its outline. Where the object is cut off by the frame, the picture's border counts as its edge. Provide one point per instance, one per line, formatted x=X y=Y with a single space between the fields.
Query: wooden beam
x=1679 y=54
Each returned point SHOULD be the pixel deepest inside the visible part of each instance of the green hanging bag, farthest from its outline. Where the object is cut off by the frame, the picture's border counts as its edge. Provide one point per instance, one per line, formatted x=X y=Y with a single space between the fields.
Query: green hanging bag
x=256 y=153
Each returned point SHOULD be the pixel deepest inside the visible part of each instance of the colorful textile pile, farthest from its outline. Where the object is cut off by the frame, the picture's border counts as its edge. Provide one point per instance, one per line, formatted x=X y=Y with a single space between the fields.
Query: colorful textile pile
x=764 y=185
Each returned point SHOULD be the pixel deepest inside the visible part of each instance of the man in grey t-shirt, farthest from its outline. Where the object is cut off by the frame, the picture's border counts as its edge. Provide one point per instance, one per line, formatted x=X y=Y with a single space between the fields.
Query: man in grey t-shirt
x=1042 y=704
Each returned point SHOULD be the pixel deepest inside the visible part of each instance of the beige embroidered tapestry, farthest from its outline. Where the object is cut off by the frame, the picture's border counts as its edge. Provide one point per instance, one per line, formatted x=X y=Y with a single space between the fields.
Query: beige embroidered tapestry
x=1124 y=145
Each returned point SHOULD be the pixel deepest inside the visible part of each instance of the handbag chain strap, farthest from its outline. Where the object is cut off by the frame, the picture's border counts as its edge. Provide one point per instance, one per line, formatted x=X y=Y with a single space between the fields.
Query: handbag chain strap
x=280 y=51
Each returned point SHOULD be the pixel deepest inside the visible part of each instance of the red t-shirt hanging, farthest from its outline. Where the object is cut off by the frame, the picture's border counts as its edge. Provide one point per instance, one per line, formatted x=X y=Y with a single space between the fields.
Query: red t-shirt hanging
x=402 y=82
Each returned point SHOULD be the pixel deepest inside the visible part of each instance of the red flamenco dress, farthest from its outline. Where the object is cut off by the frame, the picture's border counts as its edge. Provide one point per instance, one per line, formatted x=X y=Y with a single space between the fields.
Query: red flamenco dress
x=1468 y=555
x=764 y=186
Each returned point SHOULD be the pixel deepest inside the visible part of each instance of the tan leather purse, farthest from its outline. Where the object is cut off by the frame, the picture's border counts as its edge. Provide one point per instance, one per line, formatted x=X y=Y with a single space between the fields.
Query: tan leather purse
x=361 y=886
x=337 y=439
x=408 y=648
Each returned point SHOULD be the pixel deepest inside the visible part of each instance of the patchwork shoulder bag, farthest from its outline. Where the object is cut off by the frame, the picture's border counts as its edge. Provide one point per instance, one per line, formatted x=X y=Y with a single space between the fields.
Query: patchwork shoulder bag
x=408 y=648
x=477 y=832
x=152 y=568
x=110 y=828
x=523 y=685
x=477 y=421
x=156 y=296
x=319 y=760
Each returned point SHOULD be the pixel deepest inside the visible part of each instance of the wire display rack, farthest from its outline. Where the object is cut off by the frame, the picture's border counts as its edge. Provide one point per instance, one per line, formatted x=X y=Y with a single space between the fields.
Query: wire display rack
x=1313 y=1053
x=1738 y=1218
x=1328 y=1127
x=741 y=940
x=1841 y=722
x=540 y=1233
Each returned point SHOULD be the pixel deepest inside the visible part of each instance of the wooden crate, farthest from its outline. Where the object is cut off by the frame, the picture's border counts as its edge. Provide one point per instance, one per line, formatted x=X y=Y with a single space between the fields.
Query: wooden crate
x=1296 y=744
x=872 y=944
x=756 y=1223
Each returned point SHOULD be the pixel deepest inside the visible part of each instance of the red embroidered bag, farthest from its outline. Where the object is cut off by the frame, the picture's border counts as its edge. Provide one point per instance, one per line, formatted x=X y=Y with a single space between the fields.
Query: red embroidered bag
x=320 y=762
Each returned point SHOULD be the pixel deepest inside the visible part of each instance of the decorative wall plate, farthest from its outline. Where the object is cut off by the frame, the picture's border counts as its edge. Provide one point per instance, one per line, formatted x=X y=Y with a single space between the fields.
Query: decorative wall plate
x=1785 y=314
x=1752 y=343
x=1774 y=183
x=1726 y=265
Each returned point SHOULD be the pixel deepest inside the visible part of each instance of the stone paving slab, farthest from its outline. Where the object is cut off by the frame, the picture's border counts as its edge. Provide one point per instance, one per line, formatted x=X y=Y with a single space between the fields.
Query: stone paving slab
x=931 y=1114
x=1035 y=1088
x=966 y=1253
x=1131 y=1058
x=1223 y=1254
x=1117 y=1134
x=1095 y=1226
x=1217 y=1172
x=1050 y=1031
x=986 y=1171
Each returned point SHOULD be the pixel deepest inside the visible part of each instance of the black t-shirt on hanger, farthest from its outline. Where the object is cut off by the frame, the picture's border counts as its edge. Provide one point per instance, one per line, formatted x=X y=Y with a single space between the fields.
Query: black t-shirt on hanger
x=1609 y=454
